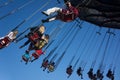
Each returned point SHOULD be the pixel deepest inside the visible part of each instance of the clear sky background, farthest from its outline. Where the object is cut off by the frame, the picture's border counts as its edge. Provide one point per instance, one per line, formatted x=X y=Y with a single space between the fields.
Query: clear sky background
x=85 y=44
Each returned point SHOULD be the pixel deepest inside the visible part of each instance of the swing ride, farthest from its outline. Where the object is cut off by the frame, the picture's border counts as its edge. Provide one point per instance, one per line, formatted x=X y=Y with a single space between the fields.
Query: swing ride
x=70 y=40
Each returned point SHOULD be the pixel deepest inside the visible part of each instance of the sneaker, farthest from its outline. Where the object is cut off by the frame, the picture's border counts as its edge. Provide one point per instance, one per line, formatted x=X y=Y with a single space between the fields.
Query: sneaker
x=21 y=47
x=27 y=51
x=32 y=61
x=43 y=21
x=43 y=12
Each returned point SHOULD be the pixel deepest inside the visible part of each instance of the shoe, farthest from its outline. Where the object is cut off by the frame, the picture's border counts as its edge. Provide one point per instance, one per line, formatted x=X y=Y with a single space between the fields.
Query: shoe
x=27 y=51
x=43 y=12
x=21 y=47
x=32 y=61
x=43 y=21
x=14 y=41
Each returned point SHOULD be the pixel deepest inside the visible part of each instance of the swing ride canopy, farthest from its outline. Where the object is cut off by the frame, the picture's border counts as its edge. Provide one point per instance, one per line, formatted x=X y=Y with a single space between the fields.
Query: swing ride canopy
x=104 y=13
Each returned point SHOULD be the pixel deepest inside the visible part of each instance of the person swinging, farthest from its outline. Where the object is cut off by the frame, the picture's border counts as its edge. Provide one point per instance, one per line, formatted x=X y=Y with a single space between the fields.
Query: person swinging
x=45 y=64
x=110 y=74
x=99 y=74
x=79 y=72
x=51 y=67
x=38 y=47
x=34 y=34
x=90 y=73
x=26 y=57
x=66 y=15
x=5 y=41
x=69 y=71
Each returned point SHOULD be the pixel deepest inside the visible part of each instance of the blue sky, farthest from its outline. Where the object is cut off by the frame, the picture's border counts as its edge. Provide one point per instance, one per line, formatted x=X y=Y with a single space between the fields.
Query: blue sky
x=85 y=44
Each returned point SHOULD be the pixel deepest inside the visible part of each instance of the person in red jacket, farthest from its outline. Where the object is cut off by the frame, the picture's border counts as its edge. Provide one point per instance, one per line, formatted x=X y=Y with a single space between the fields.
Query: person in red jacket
x=66 y=15
x=34 y=34
x=37 y=47
x=39 y=43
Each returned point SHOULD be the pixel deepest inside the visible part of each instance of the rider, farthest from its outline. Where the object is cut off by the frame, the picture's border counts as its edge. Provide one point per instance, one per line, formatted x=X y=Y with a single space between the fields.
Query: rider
x=79 y=72
x=26 y=57
x=44 y=64
x=5 y=41
x=69 y=71
x=110 y=74
x=66 y=15
x=34 y=34
x=99 y=74
x=51 y=67
x=90 y=73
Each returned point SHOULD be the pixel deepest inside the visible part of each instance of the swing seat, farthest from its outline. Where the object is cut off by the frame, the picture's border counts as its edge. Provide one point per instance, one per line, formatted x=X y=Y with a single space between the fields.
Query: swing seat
x=37 y=53
x=66 y=18
x=4 y=42
x=36 y=56
x=1 y=46
x=99 y=75
x=25 y=57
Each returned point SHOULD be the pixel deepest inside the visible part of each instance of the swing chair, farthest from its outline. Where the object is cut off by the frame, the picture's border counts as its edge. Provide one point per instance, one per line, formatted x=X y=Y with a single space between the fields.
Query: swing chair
x=52 y=63
x=5 y=41
x=46 y=61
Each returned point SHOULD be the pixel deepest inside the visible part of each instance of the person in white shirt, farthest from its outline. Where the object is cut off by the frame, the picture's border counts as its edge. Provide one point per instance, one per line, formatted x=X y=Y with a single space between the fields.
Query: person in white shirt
x=5 y=41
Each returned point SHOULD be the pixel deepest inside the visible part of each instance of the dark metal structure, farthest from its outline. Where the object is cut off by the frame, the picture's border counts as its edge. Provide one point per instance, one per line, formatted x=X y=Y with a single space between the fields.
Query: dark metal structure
x=104 y=13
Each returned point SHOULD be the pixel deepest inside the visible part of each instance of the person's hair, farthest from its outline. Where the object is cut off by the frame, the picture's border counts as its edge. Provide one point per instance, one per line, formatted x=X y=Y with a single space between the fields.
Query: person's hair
x=42 y=29
x=68 y=2
x=15 y=32
x=70 y=66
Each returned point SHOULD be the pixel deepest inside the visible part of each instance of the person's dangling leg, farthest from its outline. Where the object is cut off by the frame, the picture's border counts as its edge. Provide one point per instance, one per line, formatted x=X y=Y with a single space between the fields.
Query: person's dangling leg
x=52 y=10
x=31 y=47
x=81 y=76
x=26 y=43
x=49 y=19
